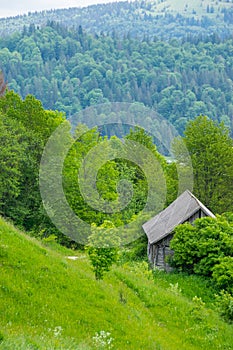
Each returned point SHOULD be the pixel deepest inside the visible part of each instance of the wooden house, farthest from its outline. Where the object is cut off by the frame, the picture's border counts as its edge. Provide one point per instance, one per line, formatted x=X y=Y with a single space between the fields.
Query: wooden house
x=159 y=230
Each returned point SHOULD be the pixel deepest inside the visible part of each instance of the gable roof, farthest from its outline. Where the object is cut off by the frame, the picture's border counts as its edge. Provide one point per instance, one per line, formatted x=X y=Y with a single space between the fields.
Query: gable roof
x=176 y=213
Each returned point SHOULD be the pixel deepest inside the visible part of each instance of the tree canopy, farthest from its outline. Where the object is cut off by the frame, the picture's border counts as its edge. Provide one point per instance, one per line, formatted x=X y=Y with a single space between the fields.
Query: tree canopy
x=25 y=128
x=69 y=70
x=211 y=149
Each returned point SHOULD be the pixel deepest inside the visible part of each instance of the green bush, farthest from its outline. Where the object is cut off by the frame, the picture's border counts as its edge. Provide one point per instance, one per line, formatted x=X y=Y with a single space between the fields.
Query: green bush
x=103 y=248
x=198 y=248
x=225 y=305
x=223 y=274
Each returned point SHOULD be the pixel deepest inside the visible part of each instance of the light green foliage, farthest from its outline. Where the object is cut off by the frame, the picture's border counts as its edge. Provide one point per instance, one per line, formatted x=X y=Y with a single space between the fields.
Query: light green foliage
x=108 y=177
x=141 y=268
x=118 y=191
x=211 y=151
x=224 y=303
x=174 y=288
x=24 y=129
x=223 y=273
x=11 y=158
x=103 y=248
x=198 y=312
x=199 y=247
x=73 y=161
x=169 y=170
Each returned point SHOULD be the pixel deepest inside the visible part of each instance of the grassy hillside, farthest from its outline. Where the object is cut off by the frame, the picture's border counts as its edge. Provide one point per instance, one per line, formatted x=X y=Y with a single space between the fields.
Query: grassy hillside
x=191 y=7
x=51 y=302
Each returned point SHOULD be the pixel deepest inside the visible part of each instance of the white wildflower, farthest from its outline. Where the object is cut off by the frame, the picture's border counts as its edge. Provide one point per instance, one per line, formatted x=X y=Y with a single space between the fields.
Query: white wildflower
x=103 y=340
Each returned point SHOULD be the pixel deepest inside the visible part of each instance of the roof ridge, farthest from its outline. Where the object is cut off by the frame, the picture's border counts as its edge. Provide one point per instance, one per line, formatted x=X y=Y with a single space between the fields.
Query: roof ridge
x=185 y=205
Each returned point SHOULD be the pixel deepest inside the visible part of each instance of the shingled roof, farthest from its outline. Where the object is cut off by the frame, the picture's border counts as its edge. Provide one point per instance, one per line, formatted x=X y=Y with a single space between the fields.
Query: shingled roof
x=176 y=213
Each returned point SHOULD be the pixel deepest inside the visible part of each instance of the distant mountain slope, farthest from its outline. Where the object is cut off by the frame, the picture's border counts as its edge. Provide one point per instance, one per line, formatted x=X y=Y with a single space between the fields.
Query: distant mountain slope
x=167 y=18
x=51 y=302
x=72 y=70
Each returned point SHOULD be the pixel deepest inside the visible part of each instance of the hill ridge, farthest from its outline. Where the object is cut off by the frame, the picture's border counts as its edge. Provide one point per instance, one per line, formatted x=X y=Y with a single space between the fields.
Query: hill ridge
x=146 y=18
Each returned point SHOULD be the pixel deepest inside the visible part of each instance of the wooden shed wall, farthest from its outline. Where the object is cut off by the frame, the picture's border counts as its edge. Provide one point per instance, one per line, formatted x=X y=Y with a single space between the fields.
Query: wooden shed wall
x=159 y=252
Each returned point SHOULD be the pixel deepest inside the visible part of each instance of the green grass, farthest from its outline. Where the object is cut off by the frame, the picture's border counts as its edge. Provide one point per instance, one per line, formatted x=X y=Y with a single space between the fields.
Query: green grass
x=50 y=302
x=188 y=7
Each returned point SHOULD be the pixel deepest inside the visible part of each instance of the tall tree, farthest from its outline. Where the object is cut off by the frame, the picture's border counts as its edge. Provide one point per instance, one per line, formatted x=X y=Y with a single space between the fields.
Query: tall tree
x=24 y=129
x=211 y=151
x=11 y=157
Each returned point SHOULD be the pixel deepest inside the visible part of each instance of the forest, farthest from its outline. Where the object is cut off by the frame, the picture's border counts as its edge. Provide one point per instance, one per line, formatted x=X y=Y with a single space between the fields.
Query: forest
x=69 y=70
x=164 y=19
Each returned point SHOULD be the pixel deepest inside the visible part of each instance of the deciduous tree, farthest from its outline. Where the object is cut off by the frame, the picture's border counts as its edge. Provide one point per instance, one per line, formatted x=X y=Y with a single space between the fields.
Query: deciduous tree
x=103 y=248
x=211 y=151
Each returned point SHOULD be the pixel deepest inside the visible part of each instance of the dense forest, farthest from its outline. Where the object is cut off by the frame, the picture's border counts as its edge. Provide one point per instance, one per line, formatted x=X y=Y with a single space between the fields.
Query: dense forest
x=27 y=126
x=69 y=70
x=162 y=18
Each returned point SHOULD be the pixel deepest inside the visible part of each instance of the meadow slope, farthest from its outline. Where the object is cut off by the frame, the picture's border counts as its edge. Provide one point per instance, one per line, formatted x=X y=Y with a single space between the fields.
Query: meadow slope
x=50 y=302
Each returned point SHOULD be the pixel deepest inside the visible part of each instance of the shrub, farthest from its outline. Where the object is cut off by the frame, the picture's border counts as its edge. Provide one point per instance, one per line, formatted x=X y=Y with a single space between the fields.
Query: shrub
x=223 y=274
x=175 y=289
x=198 y=312
x=224 y=303
x=198 y=248
x=103 y=248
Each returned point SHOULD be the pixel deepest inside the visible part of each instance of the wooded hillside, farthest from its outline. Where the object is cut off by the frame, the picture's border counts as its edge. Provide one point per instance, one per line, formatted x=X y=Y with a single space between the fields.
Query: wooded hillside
x=163 y=18
x=69 y=70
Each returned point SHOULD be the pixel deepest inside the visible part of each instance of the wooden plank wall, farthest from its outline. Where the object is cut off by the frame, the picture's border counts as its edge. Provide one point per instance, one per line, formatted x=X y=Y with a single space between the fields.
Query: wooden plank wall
x=160 y=251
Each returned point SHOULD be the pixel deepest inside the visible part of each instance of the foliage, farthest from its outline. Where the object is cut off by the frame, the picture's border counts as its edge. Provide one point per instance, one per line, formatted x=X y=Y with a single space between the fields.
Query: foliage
x=11 y=156
x=174 y=288
x=166 y=19
x=139 y=268
x=198 y=311
x=211 y=149
x=103 y=248
x=24 y=129
x=223 y=274
x=224 y=303
x=198 y=248
x=74 y=70
x=135 y=251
